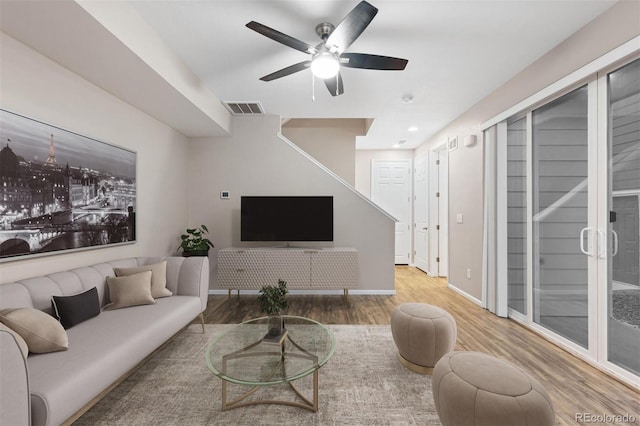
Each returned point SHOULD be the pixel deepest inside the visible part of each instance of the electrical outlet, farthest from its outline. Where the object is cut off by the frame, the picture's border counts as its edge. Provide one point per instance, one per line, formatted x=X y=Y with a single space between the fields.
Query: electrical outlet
x=468 y=273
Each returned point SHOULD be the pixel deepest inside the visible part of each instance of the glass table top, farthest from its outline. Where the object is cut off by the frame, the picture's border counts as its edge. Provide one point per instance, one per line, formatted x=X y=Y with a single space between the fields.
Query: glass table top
x=240 y=355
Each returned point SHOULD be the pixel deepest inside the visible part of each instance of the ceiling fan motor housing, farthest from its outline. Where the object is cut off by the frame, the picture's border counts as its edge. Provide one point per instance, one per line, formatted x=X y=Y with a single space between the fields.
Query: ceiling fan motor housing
x=324 y=30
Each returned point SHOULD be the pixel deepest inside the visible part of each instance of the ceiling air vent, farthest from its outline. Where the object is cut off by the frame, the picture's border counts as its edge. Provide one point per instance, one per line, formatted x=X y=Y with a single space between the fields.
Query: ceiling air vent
x=244 y=108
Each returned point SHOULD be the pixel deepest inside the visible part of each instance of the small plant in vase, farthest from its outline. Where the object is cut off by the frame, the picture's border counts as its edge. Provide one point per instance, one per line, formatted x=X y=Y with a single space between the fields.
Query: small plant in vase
x=194 y=242
x=272 y=301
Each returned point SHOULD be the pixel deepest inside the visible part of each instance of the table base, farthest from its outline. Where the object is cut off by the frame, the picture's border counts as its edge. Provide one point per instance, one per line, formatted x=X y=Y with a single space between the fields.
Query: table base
x=311 y=405
x=241 y=400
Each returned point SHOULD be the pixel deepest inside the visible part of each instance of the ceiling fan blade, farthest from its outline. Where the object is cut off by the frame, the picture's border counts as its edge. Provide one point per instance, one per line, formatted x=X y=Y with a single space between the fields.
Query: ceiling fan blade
x=372 y=62
x=351 y=26
x=335 y=85
x=287 y=71
x=281 y=37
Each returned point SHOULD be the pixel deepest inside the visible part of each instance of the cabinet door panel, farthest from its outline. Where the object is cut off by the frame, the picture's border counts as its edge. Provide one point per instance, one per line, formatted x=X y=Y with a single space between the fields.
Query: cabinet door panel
x=291 y=266
x=239 y=269
x=334 y=270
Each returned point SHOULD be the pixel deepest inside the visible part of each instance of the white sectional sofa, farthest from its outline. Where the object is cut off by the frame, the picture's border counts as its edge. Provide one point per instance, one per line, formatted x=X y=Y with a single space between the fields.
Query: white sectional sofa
x=49 y=388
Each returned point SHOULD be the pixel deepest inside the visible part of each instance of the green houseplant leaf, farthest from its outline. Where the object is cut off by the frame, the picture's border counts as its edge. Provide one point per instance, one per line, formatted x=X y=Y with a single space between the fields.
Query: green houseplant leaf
x=194 y=240
x=272 y=299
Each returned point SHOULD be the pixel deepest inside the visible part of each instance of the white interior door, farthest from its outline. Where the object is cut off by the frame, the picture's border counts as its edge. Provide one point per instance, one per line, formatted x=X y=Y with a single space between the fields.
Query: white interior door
x=438 y=211
x=391 y=190
x=443 y=212
x=421 y=214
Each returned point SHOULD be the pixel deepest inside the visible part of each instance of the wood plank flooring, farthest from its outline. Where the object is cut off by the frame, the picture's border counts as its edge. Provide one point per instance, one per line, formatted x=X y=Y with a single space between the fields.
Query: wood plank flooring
x=574 y=385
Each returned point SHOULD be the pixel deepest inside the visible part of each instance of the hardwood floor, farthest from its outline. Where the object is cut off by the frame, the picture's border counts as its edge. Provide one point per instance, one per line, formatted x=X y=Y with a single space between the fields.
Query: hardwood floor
x=574 y=385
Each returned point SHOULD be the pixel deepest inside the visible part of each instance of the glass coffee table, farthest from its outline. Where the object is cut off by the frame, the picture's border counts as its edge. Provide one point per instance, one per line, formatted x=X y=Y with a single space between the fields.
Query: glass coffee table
x=241 y=356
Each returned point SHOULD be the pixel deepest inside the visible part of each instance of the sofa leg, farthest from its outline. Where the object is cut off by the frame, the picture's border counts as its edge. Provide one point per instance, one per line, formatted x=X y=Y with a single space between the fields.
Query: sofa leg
x=202 y=321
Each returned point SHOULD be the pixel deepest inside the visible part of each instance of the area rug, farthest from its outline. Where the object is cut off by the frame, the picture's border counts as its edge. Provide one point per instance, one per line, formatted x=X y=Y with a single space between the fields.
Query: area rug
x=362 y=384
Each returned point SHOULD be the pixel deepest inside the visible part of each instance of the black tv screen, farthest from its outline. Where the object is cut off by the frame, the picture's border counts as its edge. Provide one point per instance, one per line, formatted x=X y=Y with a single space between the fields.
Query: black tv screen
x=286 y=218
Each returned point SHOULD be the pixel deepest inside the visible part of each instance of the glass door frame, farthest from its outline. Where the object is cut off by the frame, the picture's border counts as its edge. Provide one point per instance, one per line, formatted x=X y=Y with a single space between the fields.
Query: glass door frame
x=604 y=174
x=589 y=353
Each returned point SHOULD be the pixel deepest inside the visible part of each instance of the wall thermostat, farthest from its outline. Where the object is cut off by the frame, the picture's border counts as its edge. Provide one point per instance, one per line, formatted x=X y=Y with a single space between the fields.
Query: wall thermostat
x=224 y=194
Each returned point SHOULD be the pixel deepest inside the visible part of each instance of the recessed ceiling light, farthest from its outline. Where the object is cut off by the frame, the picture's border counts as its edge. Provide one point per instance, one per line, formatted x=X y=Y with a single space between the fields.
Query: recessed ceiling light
x=395 y=145
x=407 y=99
x=413 y=128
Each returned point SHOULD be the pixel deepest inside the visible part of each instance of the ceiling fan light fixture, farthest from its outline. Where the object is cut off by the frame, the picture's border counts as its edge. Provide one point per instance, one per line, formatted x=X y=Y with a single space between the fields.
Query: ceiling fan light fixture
x=325 y=65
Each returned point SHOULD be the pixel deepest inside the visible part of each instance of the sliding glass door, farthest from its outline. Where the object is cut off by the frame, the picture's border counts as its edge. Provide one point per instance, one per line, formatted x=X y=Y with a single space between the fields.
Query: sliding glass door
x=570 y=227
x=623 y=197
x=517 y=215
x=560 y=216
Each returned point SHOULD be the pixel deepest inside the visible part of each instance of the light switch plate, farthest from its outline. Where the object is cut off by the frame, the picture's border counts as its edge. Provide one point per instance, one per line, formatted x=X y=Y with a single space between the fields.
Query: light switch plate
x=459 y=218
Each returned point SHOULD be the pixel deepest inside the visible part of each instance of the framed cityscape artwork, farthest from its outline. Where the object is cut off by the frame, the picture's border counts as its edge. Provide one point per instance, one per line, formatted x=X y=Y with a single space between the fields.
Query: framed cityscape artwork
x=61 y=191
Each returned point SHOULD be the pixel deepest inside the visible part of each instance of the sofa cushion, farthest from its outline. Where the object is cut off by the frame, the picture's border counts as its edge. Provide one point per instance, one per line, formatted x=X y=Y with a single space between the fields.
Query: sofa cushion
x=72 y=310
x=130 y=290
x=24 y=348
x=158 y=277
x=41 y=331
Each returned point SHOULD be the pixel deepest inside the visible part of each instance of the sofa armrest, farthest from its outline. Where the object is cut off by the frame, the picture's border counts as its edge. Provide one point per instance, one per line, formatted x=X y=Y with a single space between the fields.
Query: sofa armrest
x=193 y=279
x=15 y=401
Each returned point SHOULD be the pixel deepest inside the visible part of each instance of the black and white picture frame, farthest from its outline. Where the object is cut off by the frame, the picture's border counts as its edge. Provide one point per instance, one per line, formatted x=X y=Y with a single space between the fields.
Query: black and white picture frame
x=61 y=191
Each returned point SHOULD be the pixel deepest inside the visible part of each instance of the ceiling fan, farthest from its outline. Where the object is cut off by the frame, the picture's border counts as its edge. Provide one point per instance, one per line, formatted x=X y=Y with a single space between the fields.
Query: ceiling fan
x=329 y=56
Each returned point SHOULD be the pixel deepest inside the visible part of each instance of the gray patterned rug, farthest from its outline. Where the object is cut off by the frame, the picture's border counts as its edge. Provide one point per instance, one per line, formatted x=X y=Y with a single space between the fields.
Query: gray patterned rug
x=626 y=306
x=362 y=384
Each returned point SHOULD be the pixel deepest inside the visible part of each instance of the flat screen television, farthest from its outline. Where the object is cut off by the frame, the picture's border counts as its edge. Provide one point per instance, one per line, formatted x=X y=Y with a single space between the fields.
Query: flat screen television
x=286 y=218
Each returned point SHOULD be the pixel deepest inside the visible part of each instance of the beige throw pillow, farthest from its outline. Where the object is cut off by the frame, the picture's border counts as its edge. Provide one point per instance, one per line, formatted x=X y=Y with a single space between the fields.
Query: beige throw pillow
x=130 y=290
x=24 y=348
x=158 y=277
x=42 y=332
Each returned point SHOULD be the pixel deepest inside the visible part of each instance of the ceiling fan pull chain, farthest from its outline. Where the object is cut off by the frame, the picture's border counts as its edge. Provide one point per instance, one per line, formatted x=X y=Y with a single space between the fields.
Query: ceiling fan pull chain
x=313 y=88
x=337 y=84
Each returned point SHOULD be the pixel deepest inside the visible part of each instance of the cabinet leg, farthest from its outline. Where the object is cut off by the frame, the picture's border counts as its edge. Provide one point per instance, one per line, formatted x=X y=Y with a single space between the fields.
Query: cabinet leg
x=346 y=294
x=228 y=294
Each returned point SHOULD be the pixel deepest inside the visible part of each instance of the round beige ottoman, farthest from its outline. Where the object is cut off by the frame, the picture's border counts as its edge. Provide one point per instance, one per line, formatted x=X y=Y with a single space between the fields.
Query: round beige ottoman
x=473 y=388
x=423 y=334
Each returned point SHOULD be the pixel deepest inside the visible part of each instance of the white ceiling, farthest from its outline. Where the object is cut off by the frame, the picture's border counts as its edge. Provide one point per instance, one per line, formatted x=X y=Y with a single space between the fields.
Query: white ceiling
x=458 y=52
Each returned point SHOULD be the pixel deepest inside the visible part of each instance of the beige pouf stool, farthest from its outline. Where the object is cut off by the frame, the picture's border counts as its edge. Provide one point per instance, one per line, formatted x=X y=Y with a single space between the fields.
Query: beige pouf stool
x=473 y=388
x=423 y=334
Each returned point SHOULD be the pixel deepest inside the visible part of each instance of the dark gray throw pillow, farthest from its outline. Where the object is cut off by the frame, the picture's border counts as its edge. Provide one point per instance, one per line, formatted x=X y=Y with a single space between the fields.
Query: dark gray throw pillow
x=72 y=310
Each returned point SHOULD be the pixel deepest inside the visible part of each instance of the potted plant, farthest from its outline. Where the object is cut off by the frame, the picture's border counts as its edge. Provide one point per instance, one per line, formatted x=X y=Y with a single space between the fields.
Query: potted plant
x=194 y=242
x=272 y=301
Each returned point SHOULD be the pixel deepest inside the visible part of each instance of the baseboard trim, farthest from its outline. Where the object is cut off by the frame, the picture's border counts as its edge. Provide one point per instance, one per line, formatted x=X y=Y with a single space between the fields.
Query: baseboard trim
x=352 y=292
x=464 y=294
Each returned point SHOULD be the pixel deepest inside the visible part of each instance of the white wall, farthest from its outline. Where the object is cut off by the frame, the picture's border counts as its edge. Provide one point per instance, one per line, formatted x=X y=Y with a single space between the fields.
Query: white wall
x=34 y=86
x=616 y=26
x=364 y=157
x=330 y=141
x=255 y=161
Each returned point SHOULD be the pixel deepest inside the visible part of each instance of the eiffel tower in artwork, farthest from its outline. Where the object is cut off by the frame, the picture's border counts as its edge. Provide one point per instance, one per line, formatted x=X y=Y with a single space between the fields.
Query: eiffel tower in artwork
x=51 y=161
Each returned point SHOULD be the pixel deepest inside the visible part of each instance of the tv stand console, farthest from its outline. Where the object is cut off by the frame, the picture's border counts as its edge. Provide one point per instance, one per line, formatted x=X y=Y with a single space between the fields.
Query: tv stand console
x=302 y=269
